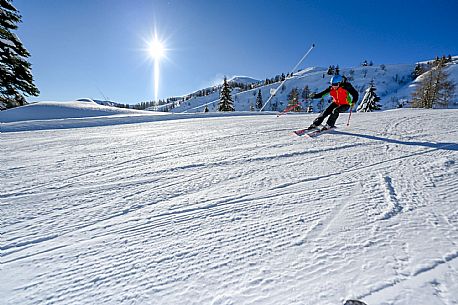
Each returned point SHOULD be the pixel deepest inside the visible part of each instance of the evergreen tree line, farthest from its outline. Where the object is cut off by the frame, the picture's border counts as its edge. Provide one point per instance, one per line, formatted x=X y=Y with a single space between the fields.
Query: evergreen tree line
x=366 y=63
x=333 y=70
x=421 y=68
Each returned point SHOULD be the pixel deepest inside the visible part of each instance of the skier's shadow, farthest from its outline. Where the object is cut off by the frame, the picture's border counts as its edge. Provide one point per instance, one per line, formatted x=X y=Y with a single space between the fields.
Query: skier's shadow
x=446 y=146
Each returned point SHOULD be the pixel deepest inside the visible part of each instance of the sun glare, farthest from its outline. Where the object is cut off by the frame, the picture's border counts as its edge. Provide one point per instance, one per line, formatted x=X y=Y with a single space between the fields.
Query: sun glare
x=156 y=49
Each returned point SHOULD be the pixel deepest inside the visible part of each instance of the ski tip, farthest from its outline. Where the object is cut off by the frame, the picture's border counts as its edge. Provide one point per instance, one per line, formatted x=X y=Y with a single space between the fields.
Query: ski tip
x=354 y=302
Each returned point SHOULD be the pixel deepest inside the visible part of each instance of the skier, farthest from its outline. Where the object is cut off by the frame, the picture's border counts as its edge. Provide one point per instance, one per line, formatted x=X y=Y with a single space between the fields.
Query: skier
x=340 y=90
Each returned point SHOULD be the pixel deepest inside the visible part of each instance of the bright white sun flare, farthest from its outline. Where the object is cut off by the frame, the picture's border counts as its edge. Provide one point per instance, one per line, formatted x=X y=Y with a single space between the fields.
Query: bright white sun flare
x=156 y=49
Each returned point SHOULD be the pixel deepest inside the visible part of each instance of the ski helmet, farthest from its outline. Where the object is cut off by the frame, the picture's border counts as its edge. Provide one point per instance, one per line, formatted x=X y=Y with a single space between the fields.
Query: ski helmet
x=336 y=79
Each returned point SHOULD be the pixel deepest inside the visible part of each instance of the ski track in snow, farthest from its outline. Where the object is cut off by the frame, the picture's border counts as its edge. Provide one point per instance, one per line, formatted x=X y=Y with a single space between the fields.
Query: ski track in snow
x=227 y=211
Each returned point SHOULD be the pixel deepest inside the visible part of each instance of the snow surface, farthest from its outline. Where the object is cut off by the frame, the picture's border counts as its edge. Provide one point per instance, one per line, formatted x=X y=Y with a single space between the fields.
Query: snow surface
x=231 y=210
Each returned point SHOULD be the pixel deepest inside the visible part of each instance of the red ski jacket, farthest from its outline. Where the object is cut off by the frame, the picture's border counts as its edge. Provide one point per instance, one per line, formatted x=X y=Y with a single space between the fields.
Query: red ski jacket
x=345 y=94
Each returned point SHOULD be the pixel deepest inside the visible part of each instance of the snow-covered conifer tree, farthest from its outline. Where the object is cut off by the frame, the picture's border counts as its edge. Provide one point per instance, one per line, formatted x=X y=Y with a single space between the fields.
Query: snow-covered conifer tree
x=419 y=70
x=259 y=101
x=370 y=100
x=306 y=92
x=15 y=70
x=225 y=101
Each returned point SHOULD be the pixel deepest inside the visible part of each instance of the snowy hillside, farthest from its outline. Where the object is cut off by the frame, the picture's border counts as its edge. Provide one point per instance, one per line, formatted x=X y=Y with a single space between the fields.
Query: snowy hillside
x=231 y=210
x=393 y=82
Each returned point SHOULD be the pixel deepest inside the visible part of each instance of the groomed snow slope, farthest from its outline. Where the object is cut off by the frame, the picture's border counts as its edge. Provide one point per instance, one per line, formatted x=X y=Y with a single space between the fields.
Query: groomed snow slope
x=233 y=210
x=64 y=110
x=79 y=114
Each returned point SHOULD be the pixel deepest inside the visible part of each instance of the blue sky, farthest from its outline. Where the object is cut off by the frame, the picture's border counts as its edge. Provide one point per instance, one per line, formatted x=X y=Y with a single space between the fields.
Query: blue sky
x=96 y=48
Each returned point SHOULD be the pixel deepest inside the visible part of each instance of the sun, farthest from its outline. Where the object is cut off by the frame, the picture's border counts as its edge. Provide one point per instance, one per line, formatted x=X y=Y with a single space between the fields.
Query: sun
x=156 y=49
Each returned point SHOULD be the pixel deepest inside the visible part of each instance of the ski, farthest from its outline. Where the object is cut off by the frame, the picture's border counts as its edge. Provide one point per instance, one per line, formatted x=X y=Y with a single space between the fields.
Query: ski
x=302 y=132
x=354 y=302
x=310 y=133
x=318 y=132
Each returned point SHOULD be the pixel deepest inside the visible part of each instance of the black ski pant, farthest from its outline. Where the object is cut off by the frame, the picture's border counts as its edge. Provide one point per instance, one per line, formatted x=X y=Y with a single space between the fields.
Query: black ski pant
x=333 y=111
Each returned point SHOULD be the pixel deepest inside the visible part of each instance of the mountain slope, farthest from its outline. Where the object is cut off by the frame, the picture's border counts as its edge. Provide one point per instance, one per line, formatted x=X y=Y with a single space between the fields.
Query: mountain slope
x=233 y=210
x=394 y=85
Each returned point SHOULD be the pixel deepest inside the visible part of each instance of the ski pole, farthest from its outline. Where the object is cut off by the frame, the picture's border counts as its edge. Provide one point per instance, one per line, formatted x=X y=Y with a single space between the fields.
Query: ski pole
x=273 y=92
x=288 y=109
x=351 y=108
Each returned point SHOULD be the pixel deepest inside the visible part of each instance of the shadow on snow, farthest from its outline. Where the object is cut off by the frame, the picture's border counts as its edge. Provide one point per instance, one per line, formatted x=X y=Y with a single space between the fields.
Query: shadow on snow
x=446 y=146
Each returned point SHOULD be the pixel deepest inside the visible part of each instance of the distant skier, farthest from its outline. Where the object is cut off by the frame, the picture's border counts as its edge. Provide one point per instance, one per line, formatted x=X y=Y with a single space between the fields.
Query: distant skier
x=344 y=96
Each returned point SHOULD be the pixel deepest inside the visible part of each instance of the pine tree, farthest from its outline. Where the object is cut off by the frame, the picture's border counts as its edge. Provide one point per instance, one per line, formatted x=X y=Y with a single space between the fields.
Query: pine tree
x=306 y=92
x=370 y=100
x=225 y=101
x=419 y=70
x=259 y=101
x=15 y=70
x=306 y=96
x=337 y=70
x=274 y=106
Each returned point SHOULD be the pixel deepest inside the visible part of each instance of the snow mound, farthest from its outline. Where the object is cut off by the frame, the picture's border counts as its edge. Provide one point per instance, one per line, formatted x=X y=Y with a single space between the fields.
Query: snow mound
x=64 y=110
x=244 y=80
